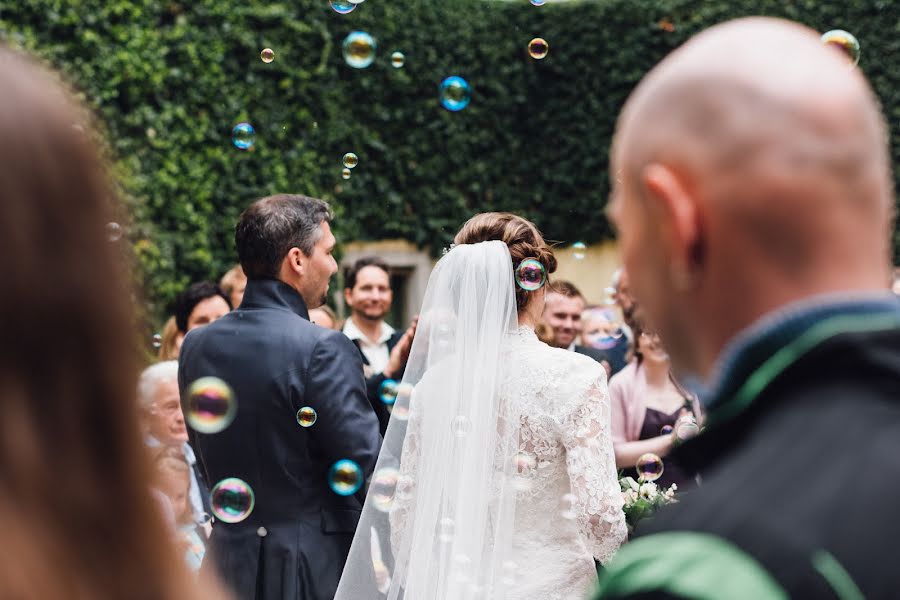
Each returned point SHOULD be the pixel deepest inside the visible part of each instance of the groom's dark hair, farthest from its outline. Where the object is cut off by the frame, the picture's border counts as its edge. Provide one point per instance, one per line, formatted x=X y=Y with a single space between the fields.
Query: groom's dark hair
x=521 y=236
x=271 y=226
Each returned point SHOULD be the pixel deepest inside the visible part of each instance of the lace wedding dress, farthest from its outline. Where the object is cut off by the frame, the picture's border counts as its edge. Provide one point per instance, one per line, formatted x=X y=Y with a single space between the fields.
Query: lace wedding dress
x=497 y=478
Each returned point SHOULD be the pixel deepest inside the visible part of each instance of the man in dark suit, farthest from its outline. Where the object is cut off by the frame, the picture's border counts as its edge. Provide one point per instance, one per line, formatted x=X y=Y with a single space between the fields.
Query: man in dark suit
x=384 y=351
x=294 y=542
x=563 y=308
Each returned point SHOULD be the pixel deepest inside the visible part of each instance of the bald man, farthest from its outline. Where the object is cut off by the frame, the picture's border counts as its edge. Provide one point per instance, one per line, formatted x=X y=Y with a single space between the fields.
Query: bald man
x=754 y=218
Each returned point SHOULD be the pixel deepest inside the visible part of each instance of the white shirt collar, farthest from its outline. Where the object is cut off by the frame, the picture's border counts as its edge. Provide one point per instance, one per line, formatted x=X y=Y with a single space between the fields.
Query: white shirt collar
x=353 y=332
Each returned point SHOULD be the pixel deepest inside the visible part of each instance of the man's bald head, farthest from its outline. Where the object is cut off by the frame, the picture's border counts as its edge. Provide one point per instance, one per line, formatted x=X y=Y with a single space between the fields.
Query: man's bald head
x=755 y=172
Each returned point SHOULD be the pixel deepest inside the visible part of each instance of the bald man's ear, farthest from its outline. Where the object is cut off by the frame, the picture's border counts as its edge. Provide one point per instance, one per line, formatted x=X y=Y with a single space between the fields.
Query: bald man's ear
x=678 y=211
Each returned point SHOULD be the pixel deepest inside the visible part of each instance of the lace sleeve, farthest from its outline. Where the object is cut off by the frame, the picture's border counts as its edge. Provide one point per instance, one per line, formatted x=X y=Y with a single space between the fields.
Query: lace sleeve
x=592 y=471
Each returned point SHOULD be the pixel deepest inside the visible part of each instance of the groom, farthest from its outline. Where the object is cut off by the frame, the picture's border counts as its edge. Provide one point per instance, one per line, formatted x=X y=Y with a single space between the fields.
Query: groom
x=295 y=541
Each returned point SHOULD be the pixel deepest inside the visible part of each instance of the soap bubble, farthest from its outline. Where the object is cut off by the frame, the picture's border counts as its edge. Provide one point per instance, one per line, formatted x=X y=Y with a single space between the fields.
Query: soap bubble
x=844 y=41
x=243 y=136
x=649 y=467
x=388 y=391
x=666 y=430
x=397 y=60
x=345 y=173
x=359 y=49
x=350 y=160
x=307 y=416
x=461 y=426
x=578 y=250
x=525 y=466
x=455 y=93
x=113 y=232
x=383 y=488
x=538 y=48
x=157 y=340
x=210 y=406
x=446 y=530
x=232 y=500
x=686 y=428
x=267 y=55
x=530 y=275
x=538 y=2
x=345 y=477
x=342 y=7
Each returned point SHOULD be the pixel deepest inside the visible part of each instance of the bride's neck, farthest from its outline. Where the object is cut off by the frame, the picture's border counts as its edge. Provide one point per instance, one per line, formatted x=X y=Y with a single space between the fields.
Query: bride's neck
x=526 y=320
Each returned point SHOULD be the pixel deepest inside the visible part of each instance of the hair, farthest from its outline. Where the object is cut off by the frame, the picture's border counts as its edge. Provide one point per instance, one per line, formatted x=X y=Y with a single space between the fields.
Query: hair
x=70 y=448
x=150 y=380
x=361 y=263
x=187 y=301
x=170 y=459
x=566 y=288
x=168 y=348
x=521 y=237
x=271 y=226
x=231 y=278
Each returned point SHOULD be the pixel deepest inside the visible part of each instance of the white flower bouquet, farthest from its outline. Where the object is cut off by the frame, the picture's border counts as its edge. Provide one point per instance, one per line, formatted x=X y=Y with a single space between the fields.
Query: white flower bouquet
x=642 y=499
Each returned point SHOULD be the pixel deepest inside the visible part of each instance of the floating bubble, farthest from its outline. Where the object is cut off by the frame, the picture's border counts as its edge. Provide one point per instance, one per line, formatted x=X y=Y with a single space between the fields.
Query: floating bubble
x=649 y=467
x=666 y=430
x=243 y=136
x=267 y=55
x=538 y=2
x=210 y=406
x=388 y=391
x=687 y=429
x=397 y=60
x=844 y=41
x=350 y=160
x=616 y=332
x=525 y=466
x=530 y=275
x=446 y=530
x=579 y=250
x=538 y=48
x=345 y=173
x=345 y=477
x=357 y=1
x=157 y=340
x=307 y=416
x=455 y=93
x=342 y=7
x=232 y=500
x=113 y=232
x=609 y=296
x=383 y=488
x=461 y=426
x=359 y=49
x=399 y=411
x=569 y=502
x=405 y=487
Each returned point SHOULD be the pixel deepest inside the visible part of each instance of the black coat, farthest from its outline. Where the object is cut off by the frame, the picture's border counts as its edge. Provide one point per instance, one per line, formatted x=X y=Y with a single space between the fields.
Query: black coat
x=277 y=362
x=801 y=477
x=373 y=383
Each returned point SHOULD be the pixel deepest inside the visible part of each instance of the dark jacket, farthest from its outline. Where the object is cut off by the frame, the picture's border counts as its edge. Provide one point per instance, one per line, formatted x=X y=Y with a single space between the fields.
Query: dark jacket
x=373 y=383
x=801 y=476
x=614 y=356
x=295 y=542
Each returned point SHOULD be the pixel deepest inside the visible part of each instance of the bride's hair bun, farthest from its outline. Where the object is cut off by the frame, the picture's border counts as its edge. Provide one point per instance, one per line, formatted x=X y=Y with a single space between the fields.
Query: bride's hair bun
x=521 y=237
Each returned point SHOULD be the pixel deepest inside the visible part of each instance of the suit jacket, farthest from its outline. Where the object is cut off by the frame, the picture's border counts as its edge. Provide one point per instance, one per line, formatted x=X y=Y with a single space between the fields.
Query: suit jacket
x=373 y=383
x=800 y=461
x=294 y=543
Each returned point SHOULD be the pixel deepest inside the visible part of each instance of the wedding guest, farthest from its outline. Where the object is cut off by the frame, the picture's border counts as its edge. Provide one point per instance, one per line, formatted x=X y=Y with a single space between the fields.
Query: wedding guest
x=562 y=312
x=755 y=217
x=324 y=317
x=294 y=541
x=233 y=283
x=601 y=331
x=648 y=407
x=163 y=424
x=76 y=516
x=200 y=304
x=172 y=476
x=384 y=350
x=170 y=344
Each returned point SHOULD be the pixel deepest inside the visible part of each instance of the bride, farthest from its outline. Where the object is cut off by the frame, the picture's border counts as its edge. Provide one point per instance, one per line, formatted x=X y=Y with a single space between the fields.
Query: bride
x=497 y=478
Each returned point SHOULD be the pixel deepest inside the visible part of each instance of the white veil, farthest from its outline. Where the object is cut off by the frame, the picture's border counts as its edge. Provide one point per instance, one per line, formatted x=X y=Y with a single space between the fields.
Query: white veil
x=438 y=518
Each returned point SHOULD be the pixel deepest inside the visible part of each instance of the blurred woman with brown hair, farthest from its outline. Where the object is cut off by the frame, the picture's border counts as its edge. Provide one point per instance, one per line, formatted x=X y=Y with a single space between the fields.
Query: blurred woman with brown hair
x=76 y=516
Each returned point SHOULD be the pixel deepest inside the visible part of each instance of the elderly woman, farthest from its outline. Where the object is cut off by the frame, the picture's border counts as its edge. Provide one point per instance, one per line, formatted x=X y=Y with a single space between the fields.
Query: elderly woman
x=651 y=412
